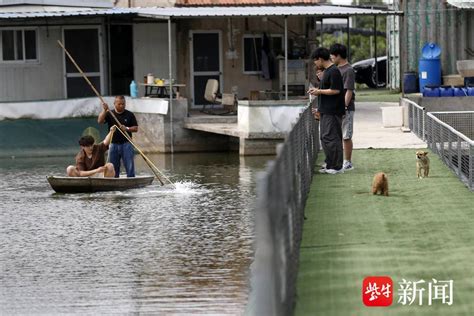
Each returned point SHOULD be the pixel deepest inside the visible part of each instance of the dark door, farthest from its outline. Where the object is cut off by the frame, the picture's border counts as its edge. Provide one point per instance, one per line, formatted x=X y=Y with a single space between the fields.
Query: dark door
x=121 y=59
x=206 y=63
x=84 y=46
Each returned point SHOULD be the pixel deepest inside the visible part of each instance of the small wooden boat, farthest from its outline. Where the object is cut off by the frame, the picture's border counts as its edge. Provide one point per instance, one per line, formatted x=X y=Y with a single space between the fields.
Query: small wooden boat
x=91 y=184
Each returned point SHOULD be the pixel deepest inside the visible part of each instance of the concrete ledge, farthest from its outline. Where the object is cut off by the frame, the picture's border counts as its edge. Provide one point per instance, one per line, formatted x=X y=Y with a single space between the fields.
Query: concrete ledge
x=223 y=129
x=254 y=147
x=273 y=103
x=443 y=104
x=211 y=119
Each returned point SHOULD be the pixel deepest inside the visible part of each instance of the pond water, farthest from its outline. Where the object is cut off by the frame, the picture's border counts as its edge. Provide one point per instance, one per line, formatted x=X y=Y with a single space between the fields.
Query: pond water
x=155 y=250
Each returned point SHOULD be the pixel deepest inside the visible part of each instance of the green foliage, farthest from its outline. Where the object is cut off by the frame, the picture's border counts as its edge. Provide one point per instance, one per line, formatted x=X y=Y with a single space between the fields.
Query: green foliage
x=360 y=45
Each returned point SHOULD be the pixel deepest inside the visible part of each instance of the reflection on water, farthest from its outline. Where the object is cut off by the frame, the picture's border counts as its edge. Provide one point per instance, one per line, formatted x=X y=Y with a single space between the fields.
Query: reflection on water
x=152 y=250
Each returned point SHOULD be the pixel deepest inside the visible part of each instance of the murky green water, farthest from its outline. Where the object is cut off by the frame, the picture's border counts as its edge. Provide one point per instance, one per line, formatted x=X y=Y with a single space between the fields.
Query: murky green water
x=154 y=250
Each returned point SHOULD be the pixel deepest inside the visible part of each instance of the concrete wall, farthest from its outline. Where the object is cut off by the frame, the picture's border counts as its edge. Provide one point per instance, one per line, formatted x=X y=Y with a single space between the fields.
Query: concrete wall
x=445 y=104
x=44 y=80
x=262 y=119
x=154 y=135
x=36 y=81
x=150 y=52
x=232 y=69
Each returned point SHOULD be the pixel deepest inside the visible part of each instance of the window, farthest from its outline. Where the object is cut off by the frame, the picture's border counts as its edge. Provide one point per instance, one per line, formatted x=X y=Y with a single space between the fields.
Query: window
x=18 y=45
x=252 y=49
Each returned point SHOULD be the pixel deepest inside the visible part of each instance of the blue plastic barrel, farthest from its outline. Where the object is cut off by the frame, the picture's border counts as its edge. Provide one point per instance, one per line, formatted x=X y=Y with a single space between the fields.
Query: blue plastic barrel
x=409 y=82
x=459 y=91
x=429 y=66
x=429 y=72
x=431 y=51
x=470 y=91
x=431 y=91
x=446 y=91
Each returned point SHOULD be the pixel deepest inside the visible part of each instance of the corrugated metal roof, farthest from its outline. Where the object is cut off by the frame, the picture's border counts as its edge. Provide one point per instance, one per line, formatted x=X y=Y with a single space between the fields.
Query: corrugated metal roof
x=65 y=13
x=183 y=3
x=75 y=3
x=39 y=8
x=463 y=4
x=188 y=12
x=301 y=10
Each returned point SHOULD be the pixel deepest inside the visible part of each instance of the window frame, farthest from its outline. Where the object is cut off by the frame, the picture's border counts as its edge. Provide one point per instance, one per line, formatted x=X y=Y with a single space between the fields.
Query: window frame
x=23 y=60
x=260 y=37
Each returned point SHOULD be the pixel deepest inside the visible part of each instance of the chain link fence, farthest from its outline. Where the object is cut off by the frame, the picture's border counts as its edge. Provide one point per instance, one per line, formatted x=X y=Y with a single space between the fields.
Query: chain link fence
x=416 y=118
x=450 y=135
x=281 y=197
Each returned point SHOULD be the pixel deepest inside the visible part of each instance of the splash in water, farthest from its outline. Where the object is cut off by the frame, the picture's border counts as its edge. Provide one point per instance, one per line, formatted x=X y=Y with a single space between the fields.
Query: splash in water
x=180 y=187
x=187 y=187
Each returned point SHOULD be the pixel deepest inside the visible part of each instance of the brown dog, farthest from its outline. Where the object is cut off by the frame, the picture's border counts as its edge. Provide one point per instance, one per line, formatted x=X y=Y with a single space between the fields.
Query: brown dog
x=380 y=184
x=422 y=163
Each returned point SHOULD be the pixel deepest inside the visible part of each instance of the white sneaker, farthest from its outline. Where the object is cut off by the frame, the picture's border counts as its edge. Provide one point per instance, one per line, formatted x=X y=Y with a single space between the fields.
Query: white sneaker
x=322 y=170
x=347 y=166
x=334 y=171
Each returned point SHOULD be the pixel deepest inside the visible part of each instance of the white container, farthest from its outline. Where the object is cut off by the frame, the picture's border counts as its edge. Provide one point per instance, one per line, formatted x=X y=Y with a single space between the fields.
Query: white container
x=150 y=79
x=465 y=67
x=392 y=116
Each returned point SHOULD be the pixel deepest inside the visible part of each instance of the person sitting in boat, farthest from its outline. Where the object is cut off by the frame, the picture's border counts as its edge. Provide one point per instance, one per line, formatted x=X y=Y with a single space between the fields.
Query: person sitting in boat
x=90 y=160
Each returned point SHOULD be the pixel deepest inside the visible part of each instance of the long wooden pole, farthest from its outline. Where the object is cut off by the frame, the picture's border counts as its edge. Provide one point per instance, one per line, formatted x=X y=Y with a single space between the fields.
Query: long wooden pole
x=148 y=161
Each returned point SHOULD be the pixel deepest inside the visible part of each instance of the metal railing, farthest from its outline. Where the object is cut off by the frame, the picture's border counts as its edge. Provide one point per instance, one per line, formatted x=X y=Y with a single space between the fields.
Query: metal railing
x=450 y=135
x=416 y=118
x=282 y=191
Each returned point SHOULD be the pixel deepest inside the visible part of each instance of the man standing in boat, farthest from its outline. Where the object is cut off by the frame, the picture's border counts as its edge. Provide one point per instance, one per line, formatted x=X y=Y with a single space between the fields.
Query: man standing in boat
x=90 y=160
x=120 y=147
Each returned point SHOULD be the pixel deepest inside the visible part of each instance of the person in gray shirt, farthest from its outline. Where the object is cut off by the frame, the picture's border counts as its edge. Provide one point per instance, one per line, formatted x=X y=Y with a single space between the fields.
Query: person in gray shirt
x=339 y=57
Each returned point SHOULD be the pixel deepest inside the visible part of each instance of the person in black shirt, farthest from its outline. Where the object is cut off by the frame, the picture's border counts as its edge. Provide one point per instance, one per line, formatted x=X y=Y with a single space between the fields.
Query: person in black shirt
x=331 y=108
x=120 y=147
x=338 y=54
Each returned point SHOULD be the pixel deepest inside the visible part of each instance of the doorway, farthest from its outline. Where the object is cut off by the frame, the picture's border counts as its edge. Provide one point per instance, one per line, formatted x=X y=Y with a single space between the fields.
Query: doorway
x=84 y=44
x=121 y=59
x=206 y=63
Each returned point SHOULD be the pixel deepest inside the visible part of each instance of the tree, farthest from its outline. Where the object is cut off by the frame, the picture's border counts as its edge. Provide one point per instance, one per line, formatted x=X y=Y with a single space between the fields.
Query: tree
x=362 y=46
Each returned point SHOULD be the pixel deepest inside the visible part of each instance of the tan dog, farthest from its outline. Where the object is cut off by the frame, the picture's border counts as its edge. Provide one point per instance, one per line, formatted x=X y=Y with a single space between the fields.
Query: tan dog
x=380 y=184
x=422 y=163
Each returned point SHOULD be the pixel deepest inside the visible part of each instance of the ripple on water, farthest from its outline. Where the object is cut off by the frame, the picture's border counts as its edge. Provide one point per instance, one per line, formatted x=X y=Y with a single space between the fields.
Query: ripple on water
x=161 y=249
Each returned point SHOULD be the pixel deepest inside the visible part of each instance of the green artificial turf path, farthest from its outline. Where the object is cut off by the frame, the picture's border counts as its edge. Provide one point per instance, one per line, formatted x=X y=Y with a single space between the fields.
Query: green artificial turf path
x=377 y=95
x=424 y=230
